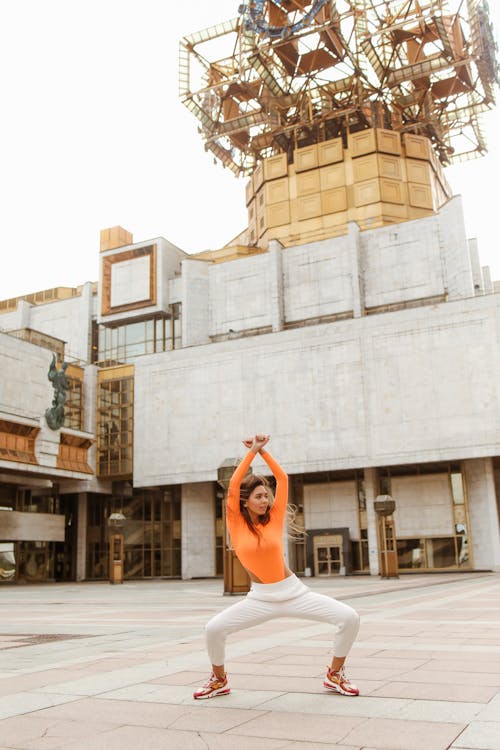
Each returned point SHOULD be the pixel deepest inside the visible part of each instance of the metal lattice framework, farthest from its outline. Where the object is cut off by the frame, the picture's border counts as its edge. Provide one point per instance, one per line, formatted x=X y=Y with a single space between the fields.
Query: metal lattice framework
x=287 y=73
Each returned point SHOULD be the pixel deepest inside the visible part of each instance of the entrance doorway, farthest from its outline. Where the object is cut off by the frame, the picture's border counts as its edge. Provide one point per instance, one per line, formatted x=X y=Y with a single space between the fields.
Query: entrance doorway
x=328 y=555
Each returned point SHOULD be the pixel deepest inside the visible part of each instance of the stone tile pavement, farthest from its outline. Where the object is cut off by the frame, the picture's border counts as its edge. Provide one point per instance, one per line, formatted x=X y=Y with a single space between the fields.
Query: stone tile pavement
x=97 y=667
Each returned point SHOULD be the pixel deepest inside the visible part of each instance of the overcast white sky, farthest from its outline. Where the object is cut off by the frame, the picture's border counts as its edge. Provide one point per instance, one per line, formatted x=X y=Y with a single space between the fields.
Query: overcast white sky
x=93 y=135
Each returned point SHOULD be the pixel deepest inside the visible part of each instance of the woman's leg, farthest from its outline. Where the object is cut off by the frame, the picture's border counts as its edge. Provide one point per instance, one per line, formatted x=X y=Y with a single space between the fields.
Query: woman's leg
x=243 y=614
x=313 y=606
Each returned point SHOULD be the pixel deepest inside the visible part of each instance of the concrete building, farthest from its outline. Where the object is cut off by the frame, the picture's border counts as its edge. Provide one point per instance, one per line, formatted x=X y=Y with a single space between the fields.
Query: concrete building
x=372 y=358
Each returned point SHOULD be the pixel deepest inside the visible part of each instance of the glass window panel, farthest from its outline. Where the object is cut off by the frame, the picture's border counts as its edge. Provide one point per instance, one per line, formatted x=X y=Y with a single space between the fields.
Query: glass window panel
x=411 y=553
x=441 y=553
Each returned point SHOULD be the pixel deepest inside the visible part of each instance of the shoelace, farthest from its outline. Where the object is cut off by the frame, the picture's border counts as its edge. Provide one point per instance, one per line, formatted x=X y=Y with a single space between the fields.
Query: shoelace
x=212 y=681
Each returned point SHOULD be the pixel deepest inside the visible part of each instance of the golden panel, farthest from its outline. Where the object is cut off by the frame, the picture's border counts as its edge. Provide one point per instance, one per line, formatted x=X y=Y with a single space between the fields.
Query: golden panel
x=335 y=220
x=258 y=177
x=72 y=454
x=107 y=267
x=366 y=192
x=308 y=206
x=252 y=234
x=419 y=171
x=306 y=158
x=278 y=214
x=261 y=217
x=252 y=212
x=334 y=200
x=114 y=237
x=420 y=196
x=332 y=176
x=115 y=373
x=365 y=168
x=249 y=191
x=391 y=191
x=307 y=183
x=388 y=141
x=330 y=152
x=362 y=143
x=17 y=442
x=75 y=371
x=276 y=191
x=417 y=146
x=390 y=166
x=275 y=166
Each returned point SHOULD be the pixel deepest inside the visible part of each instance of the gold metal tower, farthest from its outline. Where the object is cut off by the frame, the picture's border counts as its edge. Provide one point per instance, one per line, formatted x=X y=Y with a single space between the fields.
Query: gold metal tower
x=286 y=75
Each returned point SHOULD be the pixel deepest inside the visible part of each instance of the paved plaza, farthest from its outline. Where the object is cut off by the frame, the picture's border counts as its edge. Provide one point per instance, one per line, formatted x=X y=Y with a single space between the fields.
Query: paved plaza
x=97 y=667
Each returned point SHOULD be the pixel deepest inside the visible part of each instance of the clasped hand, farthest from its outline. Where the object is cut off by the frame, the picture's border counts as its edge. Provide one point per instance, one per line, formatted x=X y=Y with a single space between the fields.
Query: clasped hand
x=256 y=443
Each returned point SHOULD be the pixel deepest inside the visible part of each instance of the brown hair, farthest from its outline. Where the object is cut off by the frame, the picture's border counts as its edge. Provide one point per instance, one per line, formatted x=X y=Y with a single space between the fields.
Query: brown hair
x=248 y=485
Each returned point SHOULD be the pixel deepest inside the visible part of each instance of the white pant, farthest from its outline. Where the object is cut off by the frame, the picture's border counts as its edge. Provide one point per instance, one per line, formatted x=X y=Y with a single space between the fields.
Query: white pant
x=287 y=598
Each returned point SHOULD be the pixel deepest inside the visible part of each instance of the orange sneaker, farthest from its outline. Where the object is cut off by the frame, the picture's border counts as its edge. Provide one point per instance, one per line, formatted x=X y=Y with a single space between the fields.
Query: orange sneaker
x=338 y=682
x=215 y=686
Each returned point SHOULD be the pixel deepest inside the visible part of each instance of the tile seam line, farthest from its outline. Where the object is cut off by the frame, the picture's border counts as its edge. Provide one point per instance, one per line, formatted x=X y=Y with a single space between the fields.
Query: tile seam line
x=408 y=588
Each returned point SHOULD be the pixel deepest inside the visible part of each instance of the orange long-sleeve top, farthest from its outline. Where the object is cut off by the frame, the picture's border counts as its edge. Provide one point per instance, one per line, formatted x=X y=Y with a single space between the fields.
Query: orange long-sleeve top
x=262 y=555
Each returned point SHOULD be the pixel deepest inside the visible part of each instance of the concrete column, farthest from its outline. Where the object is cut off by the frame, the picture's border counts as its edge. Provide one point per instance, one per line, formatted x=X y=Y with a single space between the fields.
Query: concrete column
x=483 y=513
x=198 y=530
x=358 y=297
x=81 y=540
x=487 y=280
x=195 y=296
x=477 y=275
x=276 y=277
x=23 y=314
x=371 y=492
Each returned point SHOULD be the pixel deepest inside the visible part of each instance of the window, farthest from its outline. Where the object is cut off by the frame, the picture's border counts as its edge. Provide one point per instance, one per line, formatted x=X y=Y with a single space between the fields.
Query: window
x=121 y=343
x=115 y=428
x=73 y=406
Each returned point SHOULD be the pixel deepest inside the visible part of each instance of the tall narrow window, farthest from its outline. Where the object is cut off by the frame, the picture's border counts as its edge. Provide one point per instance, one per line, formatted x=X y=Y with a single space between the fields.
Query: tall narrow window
x=73 y=407
x=116 y=426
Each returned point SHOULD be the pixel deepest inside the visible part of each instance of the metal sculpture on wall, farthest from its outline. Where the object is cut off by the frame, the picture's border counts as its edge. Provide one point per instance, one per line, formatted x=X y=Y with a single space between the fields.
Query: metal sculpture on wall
x=290 y=73
x=60 y=383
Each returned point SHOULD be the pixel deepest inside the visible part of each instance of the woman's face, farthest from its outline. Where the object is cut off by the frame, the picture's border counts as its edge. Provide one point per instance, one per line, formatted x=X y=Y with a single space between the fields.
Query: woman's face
x=258 y=501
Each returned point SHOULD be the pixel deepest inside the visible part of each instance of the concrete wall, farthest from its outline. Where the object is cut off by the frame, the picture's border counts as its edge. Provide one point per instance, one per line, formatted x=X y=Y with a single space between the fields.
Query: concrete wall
x=402 y=262
x=317 y=279
x=239 y=295
x=423 y=505
x=198 y=530
x=332 y=505
x=67 y=319
x=411 y=386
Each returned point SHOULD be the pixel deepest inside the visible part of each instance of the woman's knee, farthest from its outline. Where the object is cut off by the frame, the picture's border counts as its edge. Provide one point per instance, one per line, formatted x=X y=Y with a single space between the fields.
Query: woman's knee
x=213 y=629
x=348 y=620
x=351 y=620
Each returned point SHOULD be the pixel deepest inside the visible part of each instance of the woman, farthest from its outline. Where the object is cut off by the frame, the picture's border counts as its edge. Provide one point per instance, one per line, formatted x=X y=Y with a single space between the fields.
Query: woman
x=255 y=521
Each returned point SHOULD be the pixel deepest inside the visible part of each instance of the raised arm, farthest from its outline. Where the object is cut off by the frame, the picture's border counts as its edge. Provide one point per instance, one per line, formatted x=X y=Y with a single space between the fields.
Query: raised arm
x=233 y=494
x=281 y=498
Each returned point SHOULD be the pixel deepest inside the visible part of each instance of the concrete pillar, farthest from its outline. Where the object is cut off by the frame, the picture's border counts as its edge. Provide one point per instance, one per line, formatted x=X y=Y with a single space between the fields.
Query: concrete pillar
x=487 y=281
x=483 y=513
x=358 y=297
x=477 y=275
x=23 y=314
x=81 y=537
x=198 y=530
x=371 y=492
x=276 y=277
